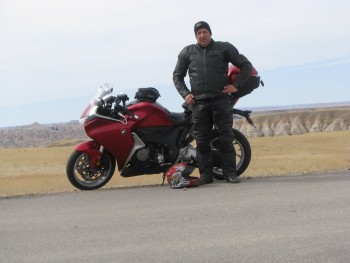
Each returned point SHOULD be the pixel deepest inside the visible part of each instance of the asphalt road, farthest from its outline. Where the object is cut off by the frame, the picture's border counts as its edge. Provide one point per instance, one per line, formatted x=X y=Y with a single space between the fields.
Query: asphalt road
x=284 y=219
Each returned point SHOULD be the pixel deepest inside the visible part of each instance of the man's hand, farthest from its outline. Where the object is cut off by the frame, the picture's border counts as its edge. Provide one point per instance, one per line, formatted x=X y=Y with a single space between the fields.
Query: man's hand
x=189 y=99
x=230 y=89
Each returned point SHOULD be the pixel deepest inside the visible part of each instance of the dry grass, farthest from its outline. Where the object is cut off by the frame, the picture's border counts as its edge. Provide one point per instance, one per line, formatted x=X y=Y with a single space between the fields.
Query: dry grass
x=299 y=154
x=42 y=170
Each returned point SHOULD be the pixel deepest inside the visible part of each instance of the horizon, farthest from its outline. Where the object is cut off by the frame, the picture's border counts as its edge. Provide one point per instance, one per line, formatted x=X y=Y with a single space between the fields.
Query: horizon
x=253 y=109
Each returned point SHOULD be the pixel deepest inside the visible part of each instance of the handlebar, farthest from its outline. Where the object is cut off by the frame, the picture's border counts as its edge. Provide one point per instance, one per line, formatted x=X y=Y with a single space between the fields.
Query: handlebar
x=122 y=98
x=119 y=106
x=125 y=110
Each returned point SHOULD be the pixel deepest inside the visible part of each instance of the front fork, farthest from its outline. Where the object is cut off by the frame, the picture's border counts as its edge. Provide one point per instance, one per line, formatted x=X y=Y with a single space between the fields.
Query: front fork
x=93 y=150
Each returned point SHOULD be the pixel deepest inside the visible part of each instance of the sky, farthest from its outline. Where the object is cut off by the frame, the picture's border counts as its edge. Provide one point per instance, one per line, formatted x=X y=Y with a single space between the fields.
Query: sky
x=55 y=54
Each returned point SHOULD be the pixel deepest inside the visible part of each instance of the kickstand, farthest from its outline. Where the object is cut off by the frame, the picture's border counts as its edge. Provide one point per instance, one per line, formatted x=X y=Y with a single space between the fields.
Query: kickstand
x=163 y=178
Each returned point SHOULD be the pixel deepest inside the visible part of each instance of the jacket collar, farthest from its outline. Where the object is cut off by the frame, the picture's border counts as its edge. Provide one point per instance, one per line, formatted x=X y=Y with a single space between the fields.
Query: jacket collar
x=211 y=44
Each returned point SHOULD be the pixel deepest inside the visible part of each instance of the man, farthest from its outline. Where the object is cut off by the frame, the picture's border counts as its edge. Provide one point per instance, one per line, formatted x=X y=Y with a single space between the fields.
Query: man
x=207 y=65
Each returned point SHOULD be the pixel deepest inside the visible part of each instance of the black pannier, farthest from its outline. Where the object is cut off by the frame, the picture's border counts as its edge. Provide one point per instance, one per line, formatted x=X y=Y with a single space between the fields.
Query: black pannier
x=147 y=94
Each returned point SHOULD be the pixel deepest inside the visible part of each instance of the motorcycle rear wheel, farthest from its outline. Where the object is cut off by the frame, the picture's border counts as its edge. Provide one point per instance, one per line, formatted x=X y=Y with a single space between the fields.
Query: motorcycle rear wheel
x=83 y=177
x=243 y=154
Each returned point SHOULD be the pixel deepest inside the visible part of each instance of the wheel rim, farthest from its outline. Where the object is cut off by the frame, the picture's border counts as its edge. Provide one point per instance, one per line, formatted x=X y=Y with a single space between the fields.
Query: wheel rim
x=92 y=177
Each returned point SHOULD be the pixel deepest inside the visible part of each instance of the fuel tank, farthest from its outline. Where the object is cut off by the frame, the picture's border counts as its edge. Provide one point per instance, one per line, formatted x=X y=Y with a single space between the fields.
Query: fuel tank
x=151 y=114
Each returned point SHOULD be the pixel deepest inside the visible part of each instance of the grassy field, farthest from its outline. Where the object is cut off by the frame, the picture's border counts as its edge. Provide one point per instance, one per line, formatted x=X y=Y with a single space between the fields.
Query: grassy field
x=42 y=170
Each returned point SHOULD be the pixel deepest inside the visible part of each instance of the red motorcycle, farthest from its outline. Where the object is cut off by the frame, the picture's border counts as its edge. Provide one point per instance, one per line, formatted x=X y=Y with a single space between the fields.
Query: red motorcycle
x=142 y=137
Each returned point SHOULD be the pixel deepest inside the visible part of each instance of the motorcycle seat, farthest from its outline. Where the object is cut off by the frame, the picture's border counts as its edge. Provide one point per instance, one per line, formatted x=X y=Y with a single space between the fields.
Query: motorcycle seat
x=179 y=119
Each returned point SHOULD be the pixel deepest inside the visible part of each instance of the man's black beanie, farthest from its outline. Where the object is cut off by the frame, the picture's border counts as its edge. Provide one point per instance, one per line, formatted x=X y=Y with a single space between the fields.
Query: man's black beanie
x=200 y=25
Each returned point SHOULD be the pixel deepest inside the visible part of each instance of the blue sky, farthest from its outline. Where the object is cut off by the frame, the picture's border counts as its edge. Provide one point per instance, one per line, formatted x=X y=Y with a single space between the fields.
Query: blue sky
x=55 y=54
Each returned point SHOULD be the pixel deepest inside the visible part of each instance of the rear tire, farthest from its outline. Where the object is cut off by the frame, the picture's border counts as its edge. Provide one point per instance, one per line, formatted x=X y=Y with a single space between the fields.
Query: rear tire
x=83 y=177
x=243 y=154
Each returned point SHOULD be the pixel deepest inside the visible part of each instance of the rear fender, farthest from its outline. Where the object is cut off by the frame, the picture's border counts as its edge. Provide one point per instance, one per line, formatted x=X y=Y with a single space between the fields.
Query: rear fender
x=92 y=149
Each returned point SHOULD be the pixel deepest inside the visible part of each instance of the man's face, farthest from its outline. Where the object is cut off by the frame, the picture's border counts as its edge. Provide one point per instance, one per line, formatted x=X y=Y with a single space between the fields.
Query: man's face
x=203 y=37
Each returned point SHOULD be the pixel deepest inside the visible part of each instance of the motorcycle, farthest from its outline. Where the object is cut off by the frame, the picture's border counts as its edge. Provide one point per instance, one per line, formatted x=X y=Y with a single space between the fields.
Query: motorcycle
x=141 y=137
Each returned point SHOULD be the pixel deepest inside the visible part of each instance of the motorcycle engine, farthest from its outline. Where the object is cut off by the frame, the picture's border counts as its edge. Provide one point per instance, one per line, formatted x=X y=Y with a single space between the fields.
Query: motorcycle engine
x=149 y=155
x=142 y=154
x=188 y=154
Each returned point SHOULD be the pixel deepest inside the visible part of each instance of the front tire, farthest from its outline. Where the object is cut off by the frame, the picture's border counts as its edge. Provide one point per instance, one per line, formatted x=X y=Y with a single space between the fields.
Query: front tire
x=83 y=177
x=243 y=154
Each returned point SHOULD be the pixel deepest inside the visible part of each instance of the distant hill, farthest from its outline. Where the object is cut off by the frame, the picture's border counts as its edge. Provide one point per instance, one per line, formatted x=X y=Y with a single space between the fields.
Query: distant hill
x=36 y=134
x=295 y=121
x=269 y=122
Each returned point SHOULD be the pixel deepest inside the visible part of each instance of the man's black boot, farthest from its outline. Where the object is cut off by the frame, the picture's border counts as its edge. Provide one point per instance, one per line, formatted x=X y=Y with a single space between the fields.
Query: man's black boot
x=233 y=179
x=205 y=169
x=229 y=167
x=206 y=179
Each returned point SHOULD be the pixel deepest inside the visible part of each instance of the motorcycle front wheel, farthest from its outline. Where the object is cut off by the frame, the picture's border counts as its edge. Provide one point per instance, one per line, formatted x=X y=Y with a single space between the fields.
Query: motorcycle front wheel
x=84 y=177
x=243 y=154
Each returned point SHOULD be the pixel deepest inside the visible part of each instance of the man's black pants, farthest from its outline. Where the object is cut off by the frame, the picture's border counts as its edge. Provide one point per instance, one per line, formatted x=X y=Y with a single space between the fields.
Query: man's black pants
x=206 y=113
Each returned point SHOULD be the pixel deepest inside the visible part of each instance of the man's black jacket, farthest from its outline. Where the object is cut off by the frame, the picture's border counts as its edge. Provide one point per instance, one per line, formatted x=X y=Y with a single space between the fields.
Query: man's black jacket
x=208 y=69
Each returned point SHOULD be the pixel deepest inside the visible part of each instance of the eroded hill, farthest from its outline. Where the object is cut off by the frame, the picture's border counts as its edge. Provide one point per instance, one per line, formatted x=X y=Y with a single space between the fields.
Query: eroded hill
x=292 y=122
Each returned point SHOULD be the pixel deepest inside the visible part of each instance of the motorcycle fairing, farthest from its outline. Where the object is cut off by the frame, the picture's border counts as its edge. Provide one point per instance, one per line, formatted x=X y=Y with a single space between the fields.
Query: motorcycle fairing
x=138 y=144
x=152 y=125
x=167 y=137
x=114 y=136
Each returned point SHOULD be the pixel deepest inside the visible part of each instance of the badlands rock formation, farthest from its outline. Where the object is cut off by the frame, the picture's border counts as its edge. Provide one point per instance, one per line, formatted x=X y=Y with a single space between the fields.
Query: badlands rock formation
x=272 y=123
